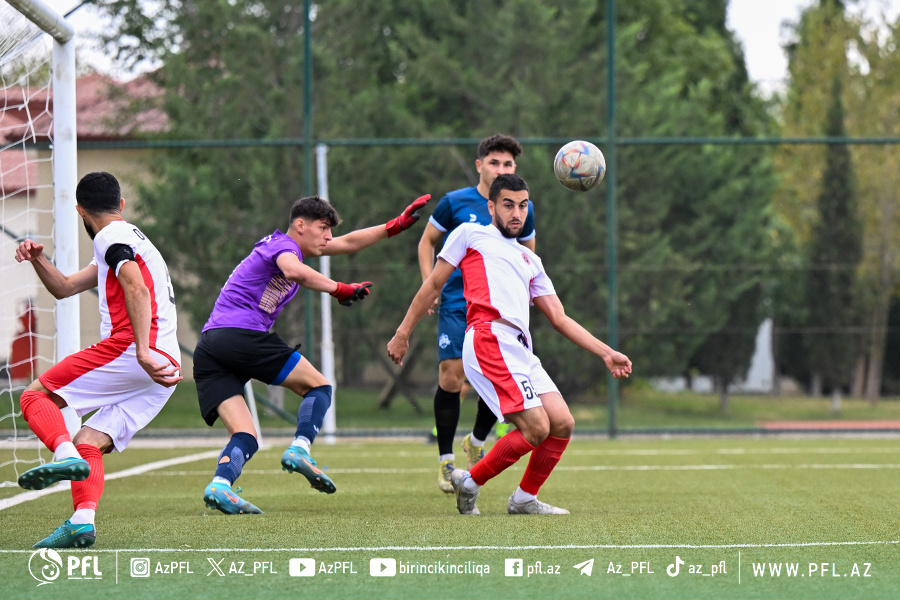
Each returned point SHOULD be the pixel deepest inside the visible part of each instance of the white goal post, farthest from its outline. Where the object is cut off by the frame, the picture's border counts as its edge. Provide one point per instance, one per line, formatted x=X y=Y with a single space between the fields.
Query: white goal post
x=22 y=176
x=65 y=163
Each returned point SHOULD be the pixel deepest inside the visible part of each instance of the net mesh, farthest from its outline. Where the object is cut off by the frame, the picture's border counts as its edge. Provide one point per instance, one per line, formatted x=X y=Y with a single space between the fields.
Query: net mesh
x=26 y=188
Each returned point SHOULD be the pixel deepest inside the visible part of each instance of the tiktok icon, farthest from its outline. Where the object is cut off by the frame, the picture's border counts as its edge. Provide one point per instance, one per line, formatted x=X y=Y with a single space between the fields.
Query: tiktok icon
x=673 y=569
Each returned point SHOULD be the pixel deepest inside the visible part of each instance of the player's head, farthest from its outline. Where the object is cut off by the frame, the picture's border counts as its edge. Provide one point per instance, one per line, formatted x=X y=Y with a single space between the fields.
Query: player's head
x=313 y=208
x=311 y=221
x=508 y=204
x=97 y=194
x=499 y=143
x=496 y=155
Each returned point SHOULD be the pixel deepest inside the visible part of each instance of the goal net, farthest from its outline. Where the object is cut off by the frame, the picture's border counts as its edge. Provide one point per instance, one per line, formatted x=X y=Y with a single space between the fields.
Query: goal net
x=37 y=180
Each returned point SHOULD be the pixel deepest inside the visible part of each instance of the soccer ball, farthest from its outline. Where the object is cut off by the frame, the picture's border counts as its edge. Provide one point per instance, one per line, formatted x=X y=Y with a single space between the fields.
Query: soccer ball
x=579 y=166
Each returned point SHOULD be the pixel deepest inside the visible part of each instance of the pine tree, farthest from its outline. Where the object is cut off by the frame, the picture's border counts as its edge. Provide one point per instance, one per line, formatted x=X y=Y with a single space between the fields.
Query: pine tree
x=835 y=253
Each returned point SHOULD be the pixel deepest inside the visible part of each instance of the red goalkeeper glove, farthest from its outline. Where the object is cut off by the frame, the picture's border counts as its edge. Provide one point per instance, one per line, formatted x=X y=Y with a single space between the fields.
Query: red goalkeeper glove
x=348 y=293
x=408 y=218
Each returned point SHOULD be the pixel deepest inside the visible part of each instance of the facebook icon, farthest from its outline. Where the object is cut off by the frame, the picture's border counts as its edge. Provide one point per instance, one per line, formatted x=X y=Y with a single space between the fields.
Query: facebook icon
x=514 y=567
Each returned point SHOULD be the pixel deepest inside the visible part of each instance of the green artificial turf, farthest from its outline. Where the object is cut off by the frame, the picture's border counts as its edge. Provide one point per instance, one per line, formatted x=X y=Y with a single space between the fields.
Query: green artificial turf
x=735 y=510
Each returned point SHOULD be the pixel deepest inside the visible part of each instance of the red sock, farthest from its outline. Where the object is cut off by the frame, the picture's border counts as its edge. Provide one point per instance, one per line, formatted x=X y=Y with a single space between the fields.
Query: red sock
x=86 y=494
x=44 y=418
x=541 y=464
x=508 y=449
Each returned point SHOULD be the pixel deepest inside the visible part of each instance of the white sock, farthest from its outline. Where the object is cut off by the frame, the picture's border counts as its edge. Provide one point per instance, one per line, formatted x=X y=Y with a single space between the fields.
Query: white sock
x=520 y=496
x=470 y=485
x=66 y=450
x=475 y=441
x=221 y=480
x=302 y=442
x=83 y=515
x=444 y=457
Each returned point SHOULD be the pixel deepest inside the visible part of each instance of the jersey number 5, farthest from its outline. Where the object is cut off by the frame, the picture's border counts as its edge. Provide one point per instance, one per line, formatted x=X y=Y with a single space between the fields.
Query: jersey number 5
x=527 y=390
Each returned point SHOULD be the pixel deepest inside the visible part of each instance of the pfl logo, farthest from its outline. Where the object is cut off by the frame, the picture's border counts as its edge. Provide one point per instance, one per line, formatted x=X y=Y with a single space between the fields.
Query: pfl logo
x=45 y=565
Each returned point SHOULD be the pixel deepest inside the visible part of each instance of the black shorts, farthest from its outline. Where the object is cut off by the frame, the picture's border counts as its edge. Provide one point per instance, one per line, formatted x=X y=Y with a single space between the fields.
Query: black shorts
x=226 y=359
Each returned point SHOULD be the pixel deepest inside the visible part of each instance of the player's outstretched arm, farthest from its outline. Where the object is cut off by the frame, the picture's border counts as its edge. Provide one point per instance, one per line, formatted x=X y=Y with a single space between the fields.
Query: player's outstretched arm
x=137 y=305
x=428 y=242
x=617 y=363
x=422 y=301
x=363 y=238
x=296 y=271
x=61 y=286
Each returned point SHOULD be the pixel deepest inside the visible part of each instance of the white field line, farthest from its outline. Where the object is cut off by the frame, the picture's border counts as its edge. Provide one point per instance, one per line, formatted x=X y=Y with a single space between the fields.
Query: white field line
x=412 y=470
x=492 y=547
x=739 y=451
x=343 y=450
x=139 y=470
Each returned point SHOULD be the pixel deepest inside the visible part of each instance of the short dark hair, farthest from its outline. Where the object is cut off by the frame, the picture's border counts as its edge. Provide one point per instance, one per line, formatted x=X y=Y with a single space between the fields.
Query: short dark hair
x=314 y=208
x=509 y=182
x=98 y=193
x=499 y=143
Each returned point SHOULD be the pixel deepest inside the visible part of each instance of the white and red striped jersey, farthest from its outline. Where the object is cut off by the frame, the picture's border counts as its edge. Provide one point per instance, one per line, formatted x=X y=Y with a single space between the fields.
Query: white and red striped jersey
x=501 y=277
x=113 y=315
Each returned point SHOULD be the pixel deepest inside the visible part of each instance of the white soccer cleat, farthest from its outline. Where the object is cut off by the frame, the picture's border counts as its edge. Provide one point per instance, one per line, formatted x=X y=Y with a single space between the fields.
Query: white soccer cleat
x=465 y=500
x=533 y=507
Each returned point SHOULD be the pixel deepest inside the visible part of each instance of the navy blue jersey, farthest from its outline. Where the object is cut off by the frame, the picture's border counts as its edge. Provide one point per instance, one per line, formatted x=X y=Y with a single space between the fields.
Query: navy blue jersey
x=467 y=206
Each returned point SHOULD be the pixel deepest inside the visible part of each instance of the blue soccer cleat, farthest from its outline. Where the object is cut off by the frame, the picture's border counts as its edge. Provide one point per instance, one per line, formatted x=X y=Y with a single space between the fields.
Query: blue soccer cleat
x=69 y=535
x=221 y=497
x=297 y=460
x=73 y=469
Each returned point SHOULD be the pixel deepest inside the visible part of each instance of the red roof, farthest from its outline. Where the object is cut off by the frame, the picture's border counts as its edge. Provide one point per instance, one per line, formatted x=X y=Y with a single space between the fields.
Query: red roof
x=100 y=104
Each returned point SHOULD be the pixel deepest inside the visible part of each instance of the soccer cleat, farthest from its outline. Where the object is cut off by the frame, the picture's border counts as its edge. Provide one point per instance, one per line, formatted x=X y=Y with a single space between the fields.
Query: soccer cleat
x=69 y=535
x=297 y=460
x=73 y=469
x=533 y=507
x=473 y=452
x=445 y=469
x=221 y=497
x=465 y=500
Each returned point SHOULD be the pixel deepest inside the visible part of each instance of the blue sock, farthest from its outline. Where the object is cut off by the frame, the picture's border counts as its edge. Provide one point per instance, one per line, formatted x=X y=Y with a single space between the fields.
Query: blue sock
x=312 y=412
x=239 y=449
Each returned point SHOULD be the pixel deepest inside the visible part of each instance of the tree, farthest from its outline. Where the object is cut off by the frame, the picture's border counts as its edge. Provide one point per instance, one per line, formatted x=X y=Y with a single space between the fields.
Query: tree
x=823 y=39
x=425 y=70
x=874 y=98
x=835 y=252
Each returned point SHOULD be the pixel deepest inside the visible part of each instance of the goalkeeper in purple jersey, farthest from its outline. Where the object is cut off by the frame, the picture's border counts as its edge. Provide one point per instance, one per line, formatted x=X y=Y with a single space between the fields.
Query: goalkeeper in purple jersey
x=236 y=344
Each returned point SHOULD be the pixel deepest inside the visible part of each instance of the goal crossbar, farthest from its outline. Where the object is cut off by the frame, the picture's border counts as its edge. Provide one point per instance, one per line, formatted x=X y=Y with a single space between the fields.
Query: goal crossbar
x=46 y=18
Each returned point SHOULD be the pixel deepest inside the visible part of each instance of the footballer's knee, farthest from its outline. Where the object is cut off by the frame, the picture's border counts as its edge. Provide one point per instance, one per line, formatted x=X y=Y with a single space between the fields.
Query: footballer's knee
x=451 y=375
x=95 y=438
x=535 y=436
x=37 y=386
x=303 y=378
x=535 y=426
x=562 y=426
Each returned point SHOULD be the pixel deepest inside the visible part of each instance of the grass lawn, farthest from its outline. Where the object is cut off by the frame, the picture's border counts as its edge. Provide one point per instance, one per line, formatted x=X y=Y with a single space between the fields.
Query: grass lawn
x=741 y=518
x=640 y=408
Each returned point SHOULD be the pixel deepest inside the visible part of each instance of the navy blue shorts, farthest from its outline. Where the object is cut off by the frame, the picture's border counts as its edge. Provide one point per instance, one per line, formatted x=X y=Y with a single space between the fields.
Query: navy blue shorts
x=227 y=358
x=451 y=331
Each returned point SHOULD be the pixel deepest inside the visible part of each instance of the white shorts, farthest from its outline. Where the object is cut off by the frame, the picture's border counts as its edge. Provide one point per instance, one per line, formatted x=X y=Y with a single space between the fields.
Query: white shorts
x=504 y=372
x=106 y=377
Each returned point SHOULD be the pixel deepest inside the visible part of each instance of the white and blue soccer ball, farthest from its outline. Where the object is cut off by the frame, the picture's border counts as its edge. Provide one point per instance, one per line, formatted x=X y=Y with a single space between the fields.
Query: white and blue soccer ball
x=579 y=166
